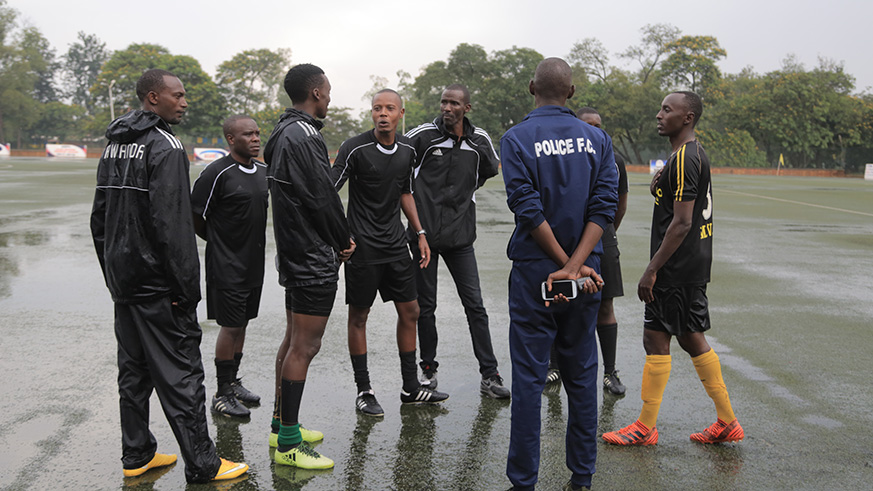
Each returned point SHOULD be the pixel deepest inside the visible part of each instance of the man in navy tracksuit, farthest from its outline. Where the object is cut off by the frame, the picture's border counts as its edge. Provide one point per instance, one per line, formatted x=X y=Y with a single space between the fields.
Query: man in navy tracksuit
x=561 y=184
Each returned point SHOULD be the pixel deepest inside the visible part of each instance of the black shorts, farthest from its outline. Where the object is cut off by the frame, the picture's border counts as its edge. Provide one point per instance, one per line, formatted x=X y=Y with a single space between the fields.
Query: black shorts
x=610 y=271
x=395 y=282
x=311 y=299
x=232 y=308
x=678 y=310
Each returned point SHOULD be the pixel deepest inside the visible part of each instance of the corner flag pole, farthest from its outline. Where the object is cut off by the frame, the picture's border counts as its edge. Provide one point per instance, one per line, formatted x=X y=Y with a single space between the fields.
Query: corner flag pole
x=781 y=164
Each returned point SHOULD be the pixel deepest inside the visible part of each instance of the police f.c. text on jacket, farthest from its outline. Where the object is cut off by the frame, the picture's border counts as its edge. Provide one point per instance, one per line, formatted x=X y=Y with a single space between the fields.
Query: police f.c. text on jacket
x=308 y=218
x=141 y=220
x=560 y=169
x=448 y=172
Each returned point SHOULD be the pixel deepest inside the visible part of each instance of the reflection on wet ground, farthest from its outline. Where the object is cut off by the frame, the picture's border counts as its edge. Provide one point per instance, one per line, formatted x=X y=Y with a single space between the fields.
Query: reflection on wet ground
x=791 y=304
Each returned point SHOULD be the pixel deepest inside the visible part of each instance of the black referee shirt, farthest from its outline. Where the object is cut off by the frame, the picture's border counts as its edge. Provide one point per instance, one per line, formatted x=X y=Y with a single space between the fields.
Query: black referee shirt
x=232 y=198
x=377 y=176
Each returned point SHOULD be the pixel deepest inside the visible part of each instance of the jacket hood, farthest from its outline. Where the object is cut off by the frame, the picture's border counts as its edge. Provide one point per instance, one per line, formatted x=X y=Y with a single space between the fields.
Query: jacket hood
x=132 y=125
x=290 y=115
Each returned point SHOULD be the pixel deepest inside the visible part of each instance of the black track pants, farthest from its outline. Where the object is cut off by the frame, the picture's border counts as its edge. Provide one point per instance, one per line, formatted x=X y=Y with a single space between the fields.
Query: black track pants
x=159 y=348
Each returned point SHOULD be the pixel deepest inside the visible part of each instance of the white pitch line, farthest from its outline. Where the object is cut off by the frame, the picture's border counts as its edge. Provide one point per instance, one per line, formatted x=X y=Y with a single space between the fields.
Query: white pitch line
x=797 y=202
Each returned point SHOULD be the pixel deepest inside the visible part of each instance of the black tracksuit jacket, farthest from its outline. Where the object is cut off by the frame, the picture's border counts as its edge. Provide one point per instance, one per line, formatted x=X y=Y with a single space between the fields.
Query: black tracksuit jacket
x=448 y=172
x=308 y=217
x=141 y=220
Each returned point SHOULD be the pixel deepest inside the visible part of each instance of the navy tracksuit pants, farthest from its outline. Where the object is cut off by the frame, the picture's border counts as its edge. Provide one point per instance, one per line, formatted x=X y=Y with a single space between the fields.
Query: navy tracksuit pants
x=533 y=328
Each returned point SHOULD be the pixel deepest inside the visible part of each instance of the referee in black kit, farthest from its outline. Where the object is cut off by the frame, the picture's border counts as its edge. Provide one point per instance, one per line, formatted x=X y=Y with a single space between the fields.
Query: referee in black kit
x=229 y=201
x=378 y=165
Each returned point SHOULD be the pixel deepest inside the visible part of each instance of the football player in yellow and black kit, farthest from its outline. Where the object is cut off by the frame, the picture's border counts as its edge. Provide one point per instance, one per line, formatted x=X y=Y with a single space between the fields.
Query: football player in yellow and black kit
x=674 y=283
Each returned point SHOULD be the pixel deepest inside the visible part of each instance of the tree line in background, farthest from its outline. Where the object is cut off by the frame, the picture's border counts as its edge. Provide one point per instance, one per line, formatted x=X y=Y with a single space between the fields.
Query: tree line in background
x=811 y=116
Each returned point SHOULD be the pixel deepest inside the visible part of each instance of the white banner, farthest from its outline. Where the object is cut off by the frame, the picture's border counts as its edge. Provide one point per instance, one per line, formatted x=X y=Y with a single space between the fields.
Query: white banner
x=654 y=165
x=209 y=154
x=868 y=172
x=4 y=150
x=64 y=150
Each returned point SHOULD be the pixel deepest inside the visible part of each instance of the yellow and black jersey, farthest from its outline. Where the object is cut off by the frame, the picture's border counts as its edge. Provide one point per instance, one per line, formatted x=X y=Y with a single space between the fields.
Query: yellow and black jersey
x=686 y=177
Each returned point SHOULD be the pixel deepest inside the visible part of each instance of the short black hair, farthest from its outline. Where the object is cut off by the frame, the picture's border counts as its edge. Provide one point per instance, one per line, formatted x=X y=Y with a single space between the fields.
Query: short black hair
x=693 y=103
x=553 y=80
x=586 y=110
x=301 y=79
x=151 y=81
x=227 y=127
x=392 y=91
x=462 y=88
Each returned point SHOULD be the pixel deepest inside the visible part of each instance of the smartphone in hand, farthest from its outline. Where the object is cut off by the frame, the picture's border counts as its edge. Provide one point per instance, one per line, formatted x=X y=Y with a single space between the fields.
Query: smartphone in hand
x=570 y=288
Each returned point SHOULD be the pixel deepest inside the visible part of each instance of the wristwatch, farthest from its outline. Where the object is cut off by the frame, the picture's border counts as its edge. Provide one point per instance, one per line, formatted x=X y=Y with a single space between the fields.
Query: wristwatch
x=421 y=232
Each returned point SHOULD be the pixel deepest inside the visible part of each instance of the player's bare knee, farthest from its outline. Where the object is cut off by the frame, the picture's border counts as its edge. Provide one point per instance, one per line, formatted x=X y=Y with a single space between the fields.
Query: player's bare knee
x=358 y=317
x=694 y=343
x=655 y=342
x=408 y=312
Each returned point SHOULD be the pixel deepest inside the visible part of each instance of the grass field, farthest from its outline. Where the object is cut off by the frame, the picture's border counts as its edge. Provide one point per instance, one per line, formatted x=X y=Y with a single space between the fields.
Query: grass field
x=791 y=300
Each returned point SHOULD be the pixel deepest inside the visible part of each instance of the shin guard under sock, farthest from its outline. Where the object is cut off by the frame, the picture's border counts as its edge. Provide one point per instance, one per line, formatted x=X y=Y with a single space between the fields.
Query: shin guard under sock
x=409 y=371
x=224 y=370
x=608 y=336
x=289 y=428
x=709 y=370
x=656 y=373
x=237 y=357
x=362 y=373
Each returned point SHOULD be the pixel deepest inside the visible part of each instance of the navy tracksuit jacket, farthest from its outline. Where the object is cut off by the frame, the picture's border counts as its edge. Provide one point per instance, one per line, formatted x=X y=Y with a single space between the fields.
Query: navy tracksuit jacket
x=560 y=169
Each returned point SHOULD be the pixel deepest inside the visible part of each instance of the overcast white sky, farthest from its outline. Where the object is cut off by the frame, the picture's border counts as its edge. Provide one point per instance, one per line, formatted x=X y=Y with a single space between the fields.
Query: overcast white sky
x=352 y=40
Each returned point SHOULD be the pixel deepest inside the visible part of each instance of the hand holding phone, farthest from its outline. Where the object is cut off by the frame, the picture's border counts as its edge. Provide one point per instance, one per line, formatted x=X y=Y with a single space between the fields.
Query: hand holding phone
x=568 y=288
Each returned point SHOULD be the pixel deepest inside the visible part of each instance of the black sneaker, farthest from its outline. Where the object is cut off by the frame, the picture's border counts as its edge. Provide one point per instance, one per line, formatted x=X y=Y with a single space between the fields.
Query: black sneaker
x=422 y=394
x=429 y=377
x=493 y=387
x=613 y=384
x=244 y=395
x=367 y=404
x=228 y=405
x=554 y=375
x=572 y=487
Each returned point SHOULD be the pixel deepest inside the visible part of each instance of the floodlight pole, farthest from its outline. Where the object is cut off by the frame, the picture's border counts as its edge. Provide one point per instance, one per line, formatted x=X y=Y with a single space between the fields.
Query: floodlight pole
x=111 y=102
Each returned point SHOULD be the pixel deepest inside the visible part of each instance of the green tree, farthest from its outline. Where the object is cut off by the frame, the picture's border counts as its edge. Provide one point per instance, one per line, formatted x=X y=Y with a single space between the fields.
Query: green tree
x=21 y=66
x=416 y=113
x=81 y=66
x=497 y=84
x=206 y=107
x=341 y=124
x=504 y=99
x=59 y=121
x=810 y=116
x=42 y=64
x=731 y=148
x=252 y=79
x=626 y=99
x=592 y=58
x=654 y=45
x=692 y=62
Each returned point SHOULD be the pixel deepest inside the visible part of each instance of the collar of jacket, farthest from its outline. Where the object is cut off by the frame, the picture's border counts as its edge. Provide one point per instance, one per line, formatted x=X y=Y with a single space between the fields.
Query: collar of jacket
x=293 y=114
x=550 y=110
x=468 y=128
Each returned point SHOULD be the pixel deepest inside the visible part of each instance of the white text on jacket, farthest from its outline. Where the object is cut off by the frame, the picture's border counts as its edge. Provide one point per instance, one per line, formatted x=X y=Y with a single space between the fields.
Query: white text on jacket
x=124 y=151
x=563 y=147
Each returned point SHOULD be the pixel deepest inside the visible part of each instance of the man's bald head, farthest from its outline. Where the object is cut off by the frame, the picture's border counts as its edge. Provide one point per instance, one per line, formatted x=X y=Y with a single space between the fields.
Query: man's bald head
x=553 y=82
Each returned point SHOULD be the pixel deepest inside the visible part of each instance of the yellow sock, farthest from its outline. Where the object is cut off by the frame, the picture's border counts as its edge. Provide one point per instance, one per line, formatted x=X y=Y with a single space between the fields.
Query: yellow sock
x=709 y=370
x=656 y=373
